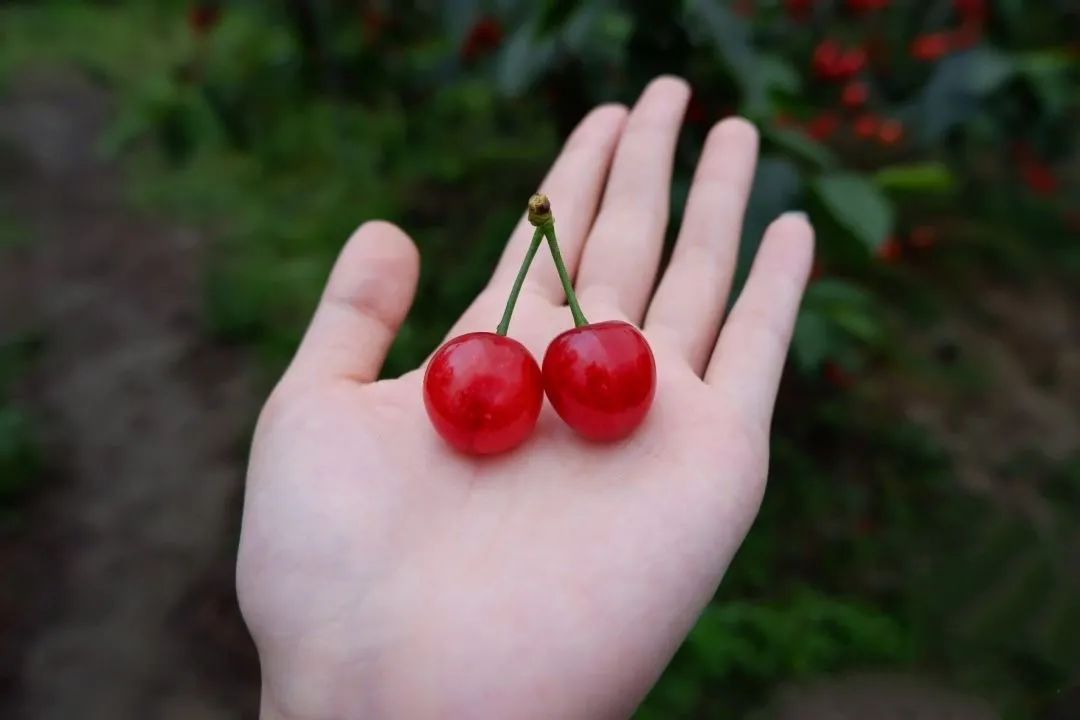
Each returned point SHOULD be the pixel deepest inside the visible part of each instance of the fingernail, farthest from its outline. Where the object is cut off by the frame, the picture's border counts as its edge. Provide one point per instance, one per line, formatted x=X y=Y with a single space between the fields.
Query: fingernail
x=798 y=214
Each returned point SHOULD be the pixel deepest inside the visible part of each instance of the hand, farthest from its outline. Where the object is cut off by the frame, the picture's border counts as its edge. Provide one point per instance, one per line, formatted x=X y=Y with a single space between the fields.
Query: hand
x=383 y=575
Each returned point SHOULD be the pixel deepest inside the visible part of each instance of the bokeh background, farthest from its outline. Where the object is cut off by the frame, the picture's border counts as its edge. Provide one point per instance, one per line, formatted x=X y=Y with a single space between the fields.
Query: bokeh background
x=176 y=178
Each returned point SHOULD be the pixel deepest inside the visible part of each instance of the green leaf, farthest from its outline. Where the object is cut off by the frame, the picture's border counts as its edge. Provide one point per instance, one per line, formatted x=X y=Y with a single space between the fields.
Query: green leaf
x=1049 y=75
x=523 y=59
x=957 y=87
x=777 y=73
x=814 y=341
x=776 y=189
x=838 y=321
x=457 y=17
x=800 y=147
x=19 y=457
x=857 y=205
x=928 y=177
x=988 y=70
x=715 y=24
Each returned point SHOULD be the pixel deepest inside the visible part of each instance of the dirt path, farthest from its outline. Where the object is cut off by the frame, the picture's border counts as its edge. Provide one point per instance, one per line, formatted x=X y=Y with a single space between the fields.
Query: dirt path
x=143 y=421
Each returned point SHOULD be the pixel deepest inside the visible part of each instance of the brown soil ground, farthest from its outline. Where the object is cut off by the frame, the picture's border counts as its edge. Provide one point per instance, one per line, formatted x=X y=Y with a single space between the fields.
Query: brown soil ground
x=117 y=597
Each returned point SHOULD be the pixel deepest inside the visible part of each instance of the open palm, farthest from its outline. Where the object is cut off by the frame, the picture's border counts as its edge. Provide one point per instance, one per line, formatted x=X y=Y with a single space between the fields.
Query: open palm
x=384 y=575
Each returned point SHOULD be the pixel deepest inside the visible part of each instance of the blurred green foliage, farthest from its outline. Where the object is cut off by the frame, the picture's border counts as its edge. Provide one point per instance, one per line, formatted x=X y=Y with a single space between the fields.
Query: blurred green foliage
x=20 y=457
x=280 y=126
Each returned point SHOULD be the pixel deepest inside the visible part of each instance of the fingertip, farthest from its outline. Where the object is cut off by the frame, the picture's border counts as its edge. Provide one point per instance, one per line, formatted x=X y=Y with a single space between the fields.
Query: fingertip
x=382 y=240
x=608 y=113
x=794 y=230
x=668 y=84
x=788 y=246
x=661 y=105
x=799 y=219
x=602 y=124
x=737 y=130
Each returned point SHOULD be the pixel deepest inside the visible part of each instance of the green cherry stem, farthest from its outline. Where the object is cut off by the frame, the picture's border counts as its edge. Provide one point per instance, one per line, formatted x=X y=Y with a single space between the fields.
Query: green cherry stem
x=540 y=216
x=504 y=324
x=564 y=276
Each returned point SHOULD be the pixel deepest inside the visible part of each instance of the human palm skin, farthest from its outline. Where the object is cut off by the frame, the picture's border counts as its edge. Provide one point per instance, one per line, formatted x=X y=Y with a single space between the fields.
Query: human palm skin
x=382 y=574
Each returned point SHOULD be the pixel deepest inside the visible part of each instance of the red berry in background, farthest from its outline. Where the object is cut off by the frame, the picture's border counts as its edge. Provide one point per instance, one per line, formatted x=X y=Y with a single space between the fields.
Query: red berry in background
x=799 y=9
x=966 y=36
x=861 y=6
x=203 y=17
x=830 y=62
x=1035 y=173
x=1039 y=177
x=867 y=126
x=890 y=132
x=484 y=37
x=931 y=46
x=601 y=379
x=971 y=10
x=827 y=59
x=823 y=126
x=483 y=393
x=890 y=251
x=852 y=62
x=854 y=95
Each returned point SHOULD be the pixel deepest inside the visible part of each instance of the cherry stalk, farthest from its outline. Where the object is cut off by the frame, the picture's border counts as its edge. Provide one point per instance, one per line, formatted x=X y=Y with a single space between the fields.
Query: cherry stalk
x=600 y=378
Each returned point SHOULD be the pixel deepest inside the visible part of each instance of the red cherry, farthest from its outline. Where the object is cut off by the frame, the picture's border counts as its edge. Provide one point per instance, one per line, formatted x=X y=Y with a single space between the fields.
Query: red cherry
x=967 y=35
x=1039 y=177
x=484 y=37
x=867 y=126
x=890 y=132
x=799 y=10
x=823 y=126
x=601 y=379
x=852 y=62
x=203 y=17
x=827 y=59
x=931 y=46
x=971 y=10
x=854 y=95
x=860 y=6
x=483 y=393
x=891 y=250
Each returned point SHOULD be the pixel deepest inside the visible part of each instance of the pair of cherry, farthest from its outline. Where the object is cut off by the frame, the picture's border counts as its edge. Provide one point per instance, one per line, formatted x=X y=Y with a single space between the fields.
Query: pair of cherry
x=483 y=391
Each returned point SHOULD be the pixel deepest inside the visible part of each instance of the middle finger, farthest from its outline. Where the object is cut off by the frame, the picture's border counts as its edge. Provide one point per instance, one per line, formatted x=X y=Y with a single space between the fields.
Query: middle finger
x=622 y=254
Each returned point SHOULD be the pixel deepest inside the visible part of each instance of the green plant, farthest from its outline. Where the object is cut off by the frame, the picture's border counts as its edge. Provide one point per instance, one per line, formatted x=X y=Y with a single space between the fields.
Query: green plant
x=20 y=457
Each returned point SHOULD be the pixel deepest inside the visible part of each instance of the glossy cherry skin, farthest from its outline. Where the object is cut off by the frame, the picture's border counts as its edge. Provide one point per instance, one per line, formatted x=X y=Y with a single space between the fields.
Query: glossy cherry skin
x=483 y=393
x=601 y=379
